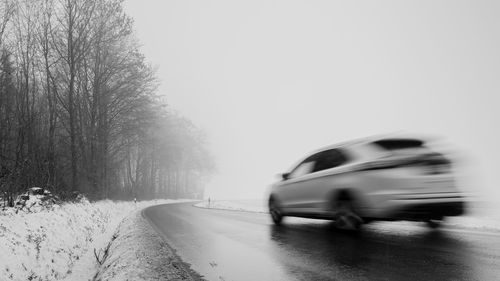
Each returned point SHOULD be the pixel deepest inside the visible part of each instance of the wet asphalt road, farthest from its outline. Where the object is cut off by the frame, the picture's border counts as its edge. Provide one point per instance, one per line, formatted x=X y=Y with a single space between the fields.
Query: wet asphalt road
x=231 y=245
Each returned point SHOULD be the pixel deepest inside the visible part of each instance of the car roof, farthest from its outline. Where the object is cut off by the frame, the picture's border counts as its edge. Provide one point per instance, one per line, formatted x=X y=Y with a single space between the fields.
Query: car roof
x=362 y=141
x=371 y=139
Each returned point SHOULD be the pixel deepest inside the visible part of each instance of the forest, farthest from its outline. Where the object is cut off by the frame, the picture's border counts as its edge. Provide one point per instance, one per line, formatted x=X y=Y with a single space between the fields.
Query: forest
x=80 y=110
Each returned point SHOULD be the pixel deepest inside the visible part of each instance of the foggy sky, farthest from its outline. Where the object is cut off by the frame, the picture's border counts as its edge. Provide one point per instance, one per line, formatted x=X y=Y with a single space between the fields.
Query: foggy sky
x=272 y=80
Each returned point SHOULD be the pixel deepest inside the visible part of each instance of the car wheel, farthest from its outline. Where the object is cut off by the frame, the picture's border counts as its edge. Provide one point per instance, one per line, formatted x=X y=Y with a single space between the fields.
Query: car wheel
x=275 y=212
x=345 y=217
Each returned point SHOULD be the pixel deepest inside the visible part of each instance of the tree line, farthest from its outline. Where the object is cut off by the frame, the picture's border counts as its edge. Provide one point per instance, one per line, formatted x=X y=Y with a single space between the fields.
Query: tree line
x=80 y=111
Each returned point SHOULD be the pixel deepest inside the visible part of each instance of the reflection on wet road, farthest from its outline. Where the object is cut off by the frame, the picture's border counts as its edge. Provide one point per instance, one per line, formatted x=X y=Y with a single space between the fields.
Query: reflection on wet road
x=230 y=245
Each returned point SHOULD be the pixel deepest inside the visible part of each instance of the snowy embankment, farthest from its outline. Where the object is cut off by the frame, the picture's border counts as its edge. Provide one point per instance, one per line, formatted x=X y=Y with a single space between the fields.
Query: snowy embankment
x=479 y=216
x=139 y=253
x=64 y=242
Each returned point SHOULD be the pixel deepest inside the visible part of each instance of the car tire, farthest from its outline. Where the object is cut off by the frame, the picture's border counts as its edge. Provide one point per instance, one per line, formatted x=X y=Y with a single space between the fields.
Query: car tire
x=275 y=212
x=346 y=217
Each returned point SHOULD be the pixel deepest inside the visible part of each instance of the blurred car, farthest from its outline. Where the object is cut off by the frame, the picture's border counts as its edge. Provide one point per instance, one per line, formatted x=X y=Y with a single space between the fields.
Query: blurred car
x=367 y=180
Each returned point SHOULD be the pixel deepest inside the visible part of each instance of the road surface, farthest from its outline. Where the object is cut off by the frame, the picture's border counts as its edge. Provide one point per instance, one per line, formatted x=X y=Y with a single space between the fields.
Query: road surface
x=232 y=245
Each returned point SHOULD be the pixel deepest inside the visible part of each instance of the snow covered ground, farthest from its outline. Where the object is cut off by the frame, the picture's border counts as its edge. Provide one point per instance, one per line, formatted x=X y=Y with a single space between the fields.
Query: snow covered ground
x=480 y=215
x=60 y=243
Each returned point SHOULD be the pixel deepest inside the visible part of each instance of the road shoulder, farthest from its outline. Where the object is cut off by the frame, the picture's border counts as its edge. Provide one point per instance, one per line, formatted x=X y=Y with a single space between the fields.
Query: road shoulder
x=138 y=252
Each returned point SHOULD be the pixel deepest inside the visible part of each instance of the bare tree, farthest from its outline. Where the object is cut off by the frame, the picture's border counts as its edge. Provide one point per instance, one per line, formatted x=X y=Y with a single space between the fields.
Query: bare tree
x=79 y=108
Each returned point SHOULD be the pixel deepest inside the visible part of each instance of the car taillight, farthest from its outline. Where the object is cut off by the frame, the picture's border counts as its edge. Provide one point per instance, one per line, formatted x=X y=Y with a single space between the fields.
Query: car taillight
x=380 y=165
x=437 y=169
x=435 y=164
x=431 y=164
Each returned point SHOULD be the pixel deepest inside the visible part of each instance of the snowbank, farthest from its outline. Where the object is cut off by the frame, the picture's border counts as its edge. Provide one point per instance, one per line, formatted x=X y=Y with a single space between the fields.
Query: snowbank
x=58 y=244
x=139 y=253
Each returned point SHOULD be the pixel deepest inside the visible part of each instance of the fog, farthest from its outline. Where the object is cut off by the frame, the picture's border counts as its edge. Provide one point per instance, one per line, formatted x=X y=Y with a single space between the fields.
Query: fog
x=269 y=81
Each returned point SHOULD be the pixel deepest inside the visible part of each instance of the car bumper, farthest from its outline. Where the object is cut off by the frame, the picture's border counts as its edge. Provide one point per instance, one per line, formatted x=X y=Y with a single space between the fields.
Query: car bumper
x=422 y=206
x=426 y=211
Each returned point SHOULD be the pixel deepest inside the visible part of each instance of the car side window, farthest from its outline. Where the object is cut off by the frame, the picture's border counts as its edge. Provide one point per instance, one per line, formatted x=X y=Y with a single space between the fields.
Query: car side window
x=329 y=159
x=302 y=169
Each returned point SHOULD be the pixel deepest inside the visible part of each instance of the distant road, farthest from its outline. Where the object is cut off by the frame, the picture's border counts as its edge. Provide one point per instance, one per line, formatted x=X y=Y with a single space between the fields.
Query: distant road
x=232 y=245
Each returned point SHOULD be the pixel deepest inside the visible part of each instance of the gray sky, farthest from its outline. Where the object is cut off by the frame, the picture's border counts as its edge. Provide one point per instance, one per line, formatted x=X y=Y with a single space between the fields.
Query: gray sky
x=272 y=80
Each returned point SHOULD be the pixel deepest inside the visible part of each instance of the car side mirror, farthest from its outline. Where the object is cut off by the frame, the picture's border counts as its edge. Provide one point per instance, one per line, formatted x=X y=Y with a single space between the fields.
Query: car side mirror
x=285 y=176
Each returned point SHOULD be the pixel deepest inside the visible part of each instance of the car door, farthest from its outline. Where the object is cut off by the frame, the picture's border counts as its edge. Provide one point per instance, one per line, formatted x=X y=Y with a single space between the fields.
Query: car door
x=290 y=190
x=326 y=176
x=311 y=182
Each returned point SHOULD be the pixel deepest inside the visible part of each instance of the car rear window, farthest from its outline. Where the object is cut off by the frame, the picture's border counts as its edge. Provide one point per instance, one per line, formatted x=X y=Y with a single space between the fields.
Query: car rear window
x=397 y=144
